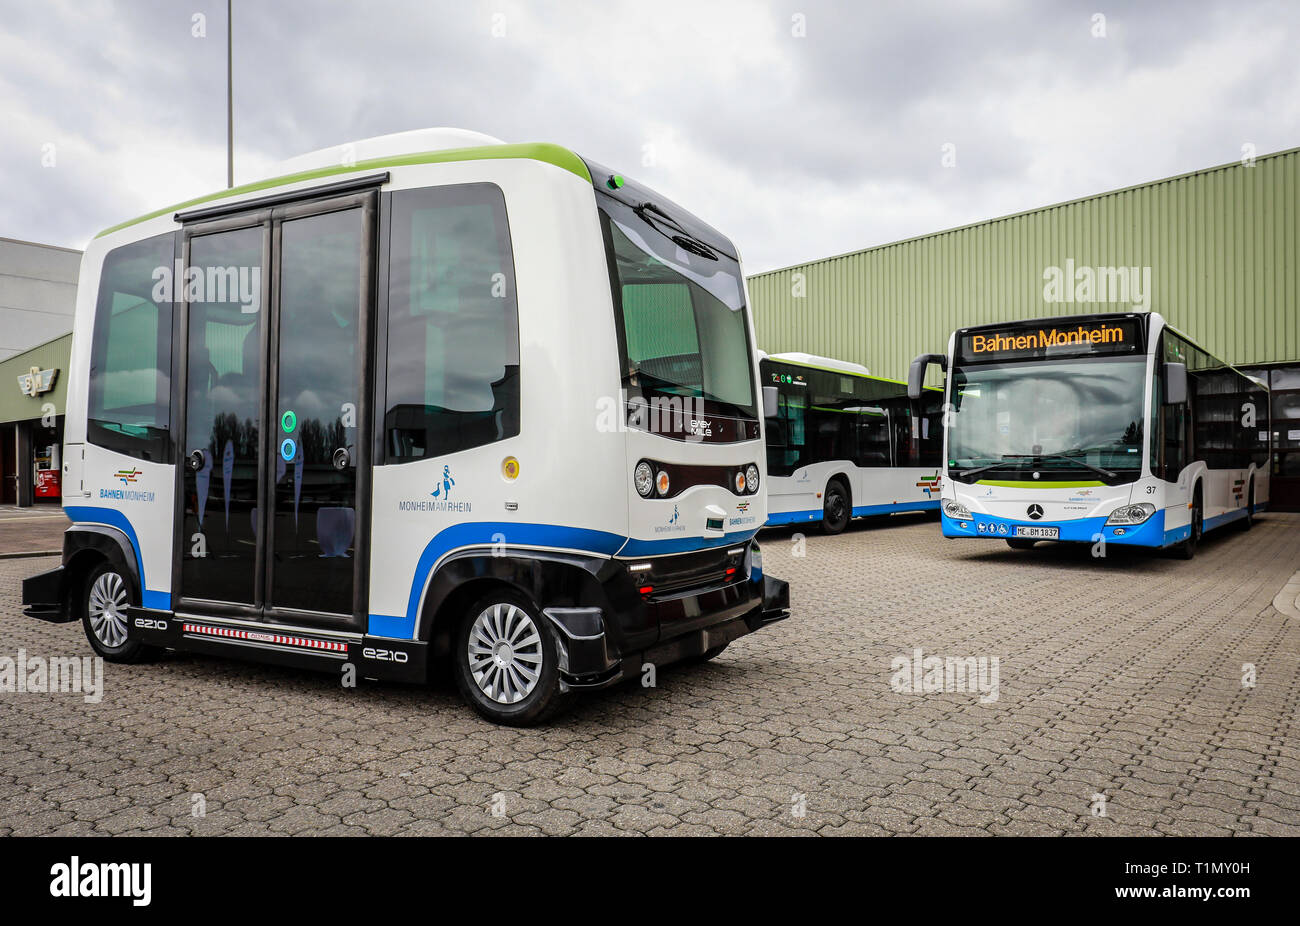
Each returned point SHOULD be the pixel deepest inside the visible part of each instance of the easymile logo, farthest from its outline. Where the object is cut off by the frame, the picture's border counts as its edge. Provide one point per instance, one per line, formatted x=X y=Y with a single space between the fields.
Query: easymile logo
x=76 y=878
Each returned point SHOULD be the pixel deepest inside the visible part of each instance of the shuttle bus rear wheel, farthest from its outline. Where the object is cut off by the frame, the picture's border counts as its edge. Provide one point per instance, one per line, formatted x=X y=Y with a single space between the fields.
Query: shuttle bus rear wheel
x=104 y=598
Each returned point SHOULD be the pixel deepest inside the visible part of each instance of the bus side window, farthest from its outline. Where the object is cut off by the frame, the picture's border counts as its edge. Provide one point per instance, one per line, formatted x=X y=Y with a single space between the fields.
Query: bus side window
x=453 y=323
x=1174 y=419
x=129 y=398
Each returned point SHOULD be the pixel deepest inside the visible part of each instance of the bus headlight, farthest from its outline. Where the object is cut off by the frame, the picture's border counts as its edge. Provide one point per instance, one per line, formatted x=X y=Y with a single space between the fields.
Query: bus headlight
x=740 y=482
x=751 y=478
x=1131 y=514
x=661 y=483
x=643 y=477
x=956 y=510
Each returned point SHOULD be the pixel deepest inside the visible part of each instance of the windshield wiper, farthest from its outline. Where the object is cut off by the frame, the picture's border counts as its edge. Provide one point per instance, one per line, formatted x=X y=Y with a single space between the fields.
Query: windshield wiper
x=1017 y=459
x=680 y=236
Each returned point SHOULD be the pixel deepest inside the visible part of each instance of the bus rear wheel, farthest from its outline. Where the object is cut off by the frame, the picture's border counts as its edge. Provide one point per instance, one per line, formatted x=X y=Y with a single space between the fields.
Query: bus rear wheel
x=835 y=508
x=507 y=660
x=1020 y=544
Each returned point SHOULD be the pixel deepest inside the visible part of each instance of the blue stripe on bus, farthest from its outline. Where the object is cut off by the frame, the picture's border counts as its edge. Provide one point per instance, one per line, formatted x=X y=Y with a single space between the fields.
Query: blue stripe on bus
x=790 y=517
x=114 y=518
x=815 y=514
x=863 y=510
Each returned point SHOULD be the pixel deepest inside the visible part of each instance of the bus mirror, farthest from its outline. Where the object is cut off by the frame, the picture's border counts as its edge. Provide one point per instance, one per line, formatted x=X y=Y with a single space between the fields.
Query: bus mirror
x=916 y=374
x=769 y=402
x=1175 y=383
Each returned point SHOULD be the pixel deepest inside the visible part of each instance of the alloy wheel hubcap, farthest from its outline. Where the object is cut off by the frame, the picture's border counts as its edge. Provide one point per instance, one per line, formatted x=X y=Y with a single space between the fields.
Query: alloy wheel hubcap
x=505 y=653
x=106 y=607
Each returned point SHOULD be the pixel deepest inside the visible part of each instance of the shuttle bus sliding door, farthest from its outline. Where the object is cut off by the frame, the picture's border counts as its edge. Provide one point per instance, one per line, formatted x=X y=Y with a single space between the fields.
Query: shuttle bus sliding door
x=276 y=379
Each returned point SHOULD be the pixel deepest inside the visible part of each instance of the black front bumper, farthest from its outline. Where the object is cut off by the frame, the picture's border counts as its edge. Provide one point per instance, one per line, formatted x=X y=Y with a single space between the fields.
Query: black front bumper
x=45 y=596
x=690 y=625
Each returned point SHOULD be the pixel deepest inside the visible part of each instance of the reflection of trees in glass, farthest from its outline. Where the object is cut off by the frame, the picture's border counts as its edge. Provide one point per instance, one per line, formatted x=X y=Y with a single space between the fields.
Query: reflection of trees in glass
x=320 y=440
x=243 y=435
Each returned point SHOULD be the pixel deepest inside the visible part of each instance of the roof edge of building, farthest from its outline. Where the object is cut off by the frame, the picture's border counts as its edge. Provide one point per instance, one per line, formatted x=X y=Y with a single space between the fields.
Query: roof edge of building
x=35 y=347
x=1024 y=212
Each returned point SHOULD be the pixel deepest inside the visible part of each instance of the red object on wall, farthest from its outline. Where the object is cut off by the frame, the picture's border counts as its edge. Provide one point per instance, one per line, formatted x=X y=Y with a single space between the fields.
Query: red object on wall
x=47 y=483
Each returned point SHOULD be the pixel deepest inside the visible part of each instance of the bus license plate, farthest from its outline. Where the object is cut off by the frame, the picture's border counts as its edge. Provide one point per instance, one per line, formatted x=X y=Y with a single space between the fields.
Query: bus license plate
x=1038 y=533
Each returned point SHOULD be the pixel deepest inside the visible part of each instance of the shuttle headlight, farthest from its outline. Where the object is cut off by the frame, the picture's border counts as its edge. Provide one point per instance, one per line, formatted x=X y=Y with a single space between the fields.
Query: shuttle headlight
x=751 y=478
x=740 y=482
x=1131 y=514
x=956 y=510
x=661 y=483
x=643 y=477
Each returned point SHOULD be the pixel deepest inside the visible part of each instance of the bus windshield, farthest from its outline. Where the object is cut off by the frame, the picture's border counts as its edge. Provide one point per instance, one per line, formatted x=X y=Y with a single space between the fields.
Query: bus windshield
x=680 y=311
x=1079 y=417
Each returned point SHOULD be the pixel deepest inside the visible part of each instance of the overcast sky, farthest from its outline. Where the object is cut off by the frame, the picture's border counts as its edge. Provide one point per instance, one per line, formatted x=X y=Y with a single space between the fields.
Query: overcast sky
x=800 y=129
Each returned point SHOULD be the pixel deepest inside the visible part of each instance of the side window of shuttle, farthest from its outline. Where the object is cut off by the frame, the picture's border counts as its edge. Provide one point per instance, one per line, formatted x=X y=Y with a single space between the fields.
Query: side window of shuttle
x=453 y=323
x=129 y=393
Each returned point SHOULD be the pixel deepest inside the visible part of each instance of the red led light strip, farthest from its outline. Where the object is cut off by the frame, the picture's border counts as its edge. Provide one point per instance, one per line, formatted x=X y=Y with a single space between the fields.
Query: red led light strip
x=258 y=636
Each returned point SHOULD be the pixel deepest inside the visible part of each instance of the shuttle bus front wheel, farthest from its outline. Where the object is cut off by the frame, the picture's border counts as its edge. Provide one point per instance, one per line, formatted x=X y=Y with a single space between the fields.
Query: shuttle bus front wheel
x=507 y=663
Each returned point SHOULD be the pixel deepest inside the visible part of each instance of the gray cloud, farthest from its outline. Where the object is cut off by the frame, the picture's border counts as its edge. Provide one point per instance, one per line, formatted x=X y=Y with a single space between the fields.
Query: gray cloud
x=797 y=147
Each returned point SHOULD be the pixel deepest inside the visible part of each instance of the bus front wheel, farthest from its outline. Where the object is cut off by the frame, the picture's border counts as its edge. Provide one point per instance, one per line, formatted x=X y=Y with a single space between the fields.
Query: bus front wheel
x=1187 y=549
x=835 y=508
x=507 y=660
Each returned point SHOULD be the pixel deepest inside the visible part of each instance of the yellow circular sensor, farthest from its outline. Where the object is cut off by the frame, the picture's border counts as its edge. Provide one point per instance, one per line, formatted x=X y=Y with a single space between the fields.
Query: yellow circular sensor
x=510 y=468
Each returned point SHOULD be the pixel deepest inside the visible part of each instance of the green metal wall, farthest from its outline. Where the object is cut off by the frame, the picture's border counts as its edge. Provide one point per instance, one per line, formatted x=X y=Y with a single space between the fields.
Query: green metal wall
x=1221 y=244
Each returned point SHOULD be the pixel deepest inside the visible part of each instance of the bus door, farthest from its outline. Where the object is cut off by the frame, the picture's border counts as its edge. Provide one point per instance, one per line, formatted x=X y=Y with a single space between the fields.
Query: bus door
x=276 y=339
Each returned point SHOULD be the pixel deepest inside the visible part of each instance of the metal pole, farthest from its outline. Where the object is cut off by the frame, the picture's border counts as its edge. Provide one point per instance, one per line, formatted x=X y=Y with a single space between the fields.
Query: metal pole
x=230 y=100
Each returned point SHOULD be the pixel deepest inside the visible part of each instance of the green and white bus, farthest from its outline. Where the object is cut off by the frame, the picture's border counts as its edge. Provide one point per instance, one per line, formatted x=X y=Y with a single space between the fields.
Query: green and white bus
x=384 y=411
x=845 y=444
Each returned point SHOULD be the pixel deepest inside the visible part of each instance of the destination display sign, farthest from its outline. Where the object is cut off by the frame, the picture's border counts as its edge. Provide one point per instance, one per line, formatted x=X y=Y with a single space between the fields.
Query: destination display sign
x=1030 y=341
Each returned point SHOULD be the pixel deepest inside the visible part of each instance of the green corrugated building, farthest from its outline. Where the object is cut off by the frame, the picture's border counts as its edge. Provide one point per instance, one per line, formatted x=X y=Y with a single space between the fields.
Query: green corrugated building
x=1214 y=251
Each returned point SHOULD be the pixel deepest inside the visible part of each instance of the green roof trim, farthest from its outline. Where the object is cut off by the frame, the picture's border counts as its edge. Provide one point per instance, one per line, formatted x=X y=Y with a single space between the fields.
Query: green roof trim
x=542 y=151
x=813 y=366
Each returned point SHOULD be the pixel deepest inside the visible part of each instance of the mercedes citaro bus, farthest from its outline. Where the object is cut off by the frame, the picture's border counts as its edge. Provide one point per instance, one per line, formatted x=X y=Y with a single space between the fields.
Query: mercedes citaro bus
x=845 y=444
x=1102 y=429
x=424 y=400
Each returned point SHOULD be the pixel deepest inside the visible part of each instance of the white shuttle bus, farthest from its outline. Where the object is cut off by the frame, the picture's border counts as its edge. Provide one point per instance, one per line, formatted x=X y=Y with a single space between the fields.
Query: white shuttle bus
x=1101 y=429
x=423 y=400
x=845 y=444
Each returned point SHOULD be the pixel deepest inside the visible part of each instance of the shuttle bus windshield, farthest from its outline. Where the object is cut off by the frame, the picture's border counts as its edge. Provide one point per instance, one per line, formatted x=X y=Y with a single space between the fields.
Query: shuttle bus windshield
x=679 y=306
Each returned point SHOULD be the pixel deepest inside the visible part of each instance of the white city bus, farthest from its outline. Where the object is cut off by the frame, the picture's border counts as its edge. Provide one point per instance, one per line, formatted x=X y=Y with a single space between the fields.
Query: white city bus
x=1102 y=429
x=845 y=444
x=388 y=411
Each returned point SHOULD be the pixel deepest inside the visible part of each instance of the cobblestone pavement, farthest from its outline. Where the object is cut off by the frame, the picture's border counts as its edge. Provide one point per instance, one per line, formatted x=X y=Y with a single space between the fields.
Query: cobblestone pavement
x=1121 y=678
x=36 y=529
